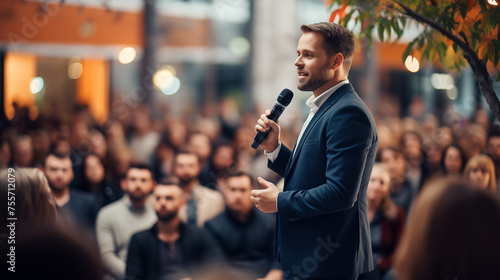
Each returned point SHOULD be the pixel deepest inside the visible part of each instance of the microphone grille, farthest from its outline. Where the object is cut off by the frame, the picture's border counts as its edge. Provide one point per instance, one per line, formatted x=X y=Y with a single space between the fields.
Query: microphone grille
x=285 y=97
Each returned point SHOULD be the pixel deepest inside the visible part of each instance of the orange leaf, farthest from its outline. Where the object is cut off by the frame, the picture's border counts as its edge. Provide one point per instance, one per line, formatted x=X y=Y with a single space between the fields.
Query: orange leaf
x=333 y=15
x=342 y=12
x=328 y=3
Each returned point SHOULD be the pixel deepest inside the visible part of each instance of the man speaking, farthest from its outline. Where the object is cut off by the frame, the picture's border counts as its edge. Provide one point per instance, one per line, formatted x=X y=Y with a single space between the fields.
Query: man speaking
x=323 y=229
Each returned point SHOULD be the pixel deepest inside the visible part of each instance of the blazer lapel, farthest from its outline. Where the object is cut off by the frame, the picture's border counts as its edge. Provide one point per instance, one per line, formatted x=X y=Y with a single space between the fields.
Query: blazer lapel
x=322 y=110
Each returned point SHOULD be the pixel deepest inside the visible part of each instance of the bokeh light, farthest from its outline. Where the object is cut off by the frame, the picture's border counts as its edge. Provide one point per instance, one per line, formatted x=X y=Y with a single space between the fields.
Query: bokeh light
x=127 y=55
x=412 y=64
x=239 y=46
x=36 y=85
x=166 y=81
x=75 y=68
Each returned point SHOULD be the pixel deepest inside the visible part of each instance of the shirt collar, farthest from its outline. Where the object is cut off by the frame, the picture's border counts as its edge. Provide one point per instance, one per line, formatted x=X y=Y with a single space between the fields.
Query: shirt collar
x=132 y=208
x=315 y=102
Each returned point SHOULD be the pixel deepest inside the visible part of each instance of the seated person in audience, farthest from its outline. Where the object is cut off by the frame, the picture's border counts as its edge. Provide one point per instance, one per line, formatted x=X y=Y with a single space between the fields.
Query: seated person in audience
x=402 y=192
x=442 y=241
x=94 y=181
x=387 y=220
x=481 y=171
x=24 y=152
x=74 y=208
x=493 y=149
x=222 y=160
x=243 y=234
x=453 y=160
x=170 y=249
x=202 y=203
x=117 y=221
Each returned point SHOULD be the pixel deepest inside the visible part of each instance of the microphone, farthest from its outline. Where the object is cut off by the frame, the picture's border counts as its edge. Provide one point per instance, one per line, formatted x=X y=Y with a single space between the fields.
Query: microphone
x=284 y=99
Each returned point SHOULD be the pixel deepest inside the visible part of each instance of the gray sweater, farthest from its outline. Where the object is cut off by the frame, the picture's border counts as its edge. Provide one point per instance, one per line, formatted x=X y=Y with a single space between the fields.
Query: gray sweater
x=116 y=223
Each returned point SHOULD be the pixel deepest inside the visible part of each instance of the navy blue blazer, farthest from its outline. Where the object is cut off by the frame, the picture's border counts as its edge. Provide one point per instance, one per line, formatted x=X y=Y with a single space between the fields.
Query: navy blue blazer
x=323 y=227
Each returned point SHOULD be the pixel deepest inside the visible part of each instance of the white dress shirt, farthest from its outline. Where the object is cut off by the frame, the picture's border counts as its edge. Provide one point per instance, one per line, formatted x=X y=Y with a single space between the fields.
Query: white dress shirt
x=314 y=103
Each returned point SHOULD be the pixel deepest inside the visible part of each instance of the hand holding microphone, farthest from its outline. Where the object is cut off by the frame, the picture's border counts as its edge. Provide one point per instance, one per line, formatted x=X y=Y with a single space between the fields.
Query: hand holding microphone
x=268 y=131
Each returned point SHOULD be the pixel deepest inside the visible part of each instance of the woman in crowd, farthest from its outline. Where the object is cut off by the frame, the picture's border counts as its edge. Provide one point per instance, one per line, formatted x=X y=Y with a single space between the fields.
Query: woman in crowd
x=452 y=234
x=95 y=182
x=387 y=220
x=453 y=160
x=481 y=171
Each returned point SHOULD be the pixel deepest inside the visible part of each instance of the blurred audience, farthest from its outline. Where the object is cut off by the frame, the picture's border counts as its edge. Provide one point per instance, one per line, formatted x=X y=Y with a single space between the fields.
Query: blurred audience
x=493 y=149
x=143 y=139
x=244 y=234
x=74 y=208
x=387 y=220
x=453 y=160
x=200 y=144
x=95 y=182
x=222 y=161
x=6 y=156
x=402 y=191
x=202 y=203
x=480 y=170
x=417 y=169
x=441 y=240
x=117 y=221
x=24 y=152
x=170 y=249
x=218 y=139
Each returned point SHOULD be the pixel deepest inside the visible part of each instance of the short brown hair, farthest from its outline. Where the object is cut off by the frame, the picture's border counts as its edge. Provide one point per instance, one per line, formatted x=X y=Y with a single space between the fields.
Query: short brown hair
x=337 y=39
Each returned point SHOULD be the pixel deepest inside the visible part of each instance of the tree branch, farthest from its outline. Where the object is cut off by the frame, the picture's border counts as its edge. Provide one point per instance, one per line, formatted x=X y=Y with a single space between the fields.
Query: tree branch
x=478 y=66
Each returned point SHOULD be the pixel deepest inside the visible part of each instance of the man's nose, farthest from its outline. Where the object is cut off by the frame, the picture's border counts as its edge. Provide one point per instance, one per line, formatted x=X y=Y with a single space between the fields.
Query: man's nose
x=298 y=61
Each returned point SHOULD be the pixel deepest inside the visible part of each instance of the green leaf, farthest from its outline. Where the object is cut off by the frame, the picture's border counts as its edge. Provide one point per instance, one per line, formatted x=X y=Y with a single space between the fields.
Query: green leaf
x=482 y=4
x=496 y=58
x=441 y=49
x=463 y=9
x=458 y=67
x=403 y=22
x=425 y=54
x=408 y=50
x=421 y=42
x=348 y=17
x=395 y=26
x=381 y=31
x=498 y=77
x=389 y=28
x=496 y=43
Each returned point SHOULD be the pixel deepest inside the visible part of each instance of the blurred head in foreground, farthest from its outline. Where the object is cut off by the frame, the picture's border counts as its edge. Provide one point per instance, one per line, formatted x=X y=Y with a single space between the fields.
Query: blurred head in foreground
x=452 y=234
x=29 y=197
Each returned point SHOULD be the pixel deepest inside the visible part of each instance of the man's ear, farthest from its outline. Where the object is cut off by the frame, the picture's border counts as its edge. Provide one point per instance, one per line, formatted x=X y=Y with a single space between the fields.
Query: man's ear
x=337 y=60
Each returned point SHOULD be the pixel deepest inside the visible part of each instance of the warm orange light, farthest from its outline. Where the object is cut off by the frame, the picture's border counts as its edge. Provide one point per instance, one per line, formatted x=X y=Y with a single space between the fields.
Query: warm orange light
x=493 y=2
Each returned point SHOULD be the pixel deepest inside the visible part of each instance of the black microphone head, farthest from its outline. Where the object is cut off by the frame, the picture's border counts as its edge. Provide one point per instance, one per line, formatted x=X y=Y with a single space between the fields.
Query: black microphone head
x=285 y=97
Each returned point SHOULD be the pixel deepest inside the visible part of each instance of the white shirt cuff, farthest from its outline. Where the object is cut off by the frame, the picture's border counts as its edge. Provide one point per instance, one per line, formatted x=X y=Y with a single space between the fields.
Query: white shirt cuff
x=274 y=154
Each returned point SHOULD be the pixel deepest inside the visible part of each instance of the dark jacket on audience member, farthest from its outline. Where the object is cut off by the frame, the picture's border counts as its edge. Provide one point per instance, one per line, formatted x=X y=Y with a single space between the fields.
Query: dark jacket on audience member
x=142 y=263
x=82 y=208
x=247 y=247
x=389 y=233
